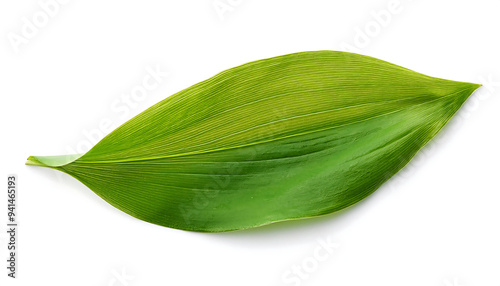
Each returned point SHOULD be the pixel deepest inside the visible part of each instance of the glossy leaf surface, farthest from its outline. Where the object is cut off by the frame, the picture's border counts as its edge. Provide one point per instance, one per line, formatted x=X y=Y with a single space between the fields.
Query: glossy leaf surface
x=294 y=136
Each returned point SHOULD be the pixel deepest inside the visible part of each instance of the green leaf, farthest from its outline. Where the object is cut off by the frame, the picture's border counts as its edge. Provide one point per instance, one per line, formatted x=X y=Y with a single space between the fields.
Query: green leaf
x=289 y=137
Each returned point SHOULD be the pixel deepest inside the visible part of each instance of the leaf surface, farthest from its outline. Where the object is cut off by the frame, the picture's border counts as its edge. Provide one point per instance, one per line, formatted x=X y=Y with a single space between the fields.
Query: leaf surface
x=288 y=137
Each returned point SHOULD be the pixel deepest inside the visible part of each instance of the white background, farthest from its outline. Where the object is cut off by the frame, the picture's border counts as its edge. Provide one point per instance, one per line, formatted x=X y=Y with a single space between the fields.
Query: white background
x=62 y=83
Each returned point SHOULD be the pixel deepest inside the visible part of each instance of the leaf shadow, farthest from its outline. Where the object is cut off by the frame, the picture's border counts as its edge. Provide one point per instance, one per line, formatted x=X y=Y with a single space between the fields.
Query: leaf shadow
x=297 y=231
